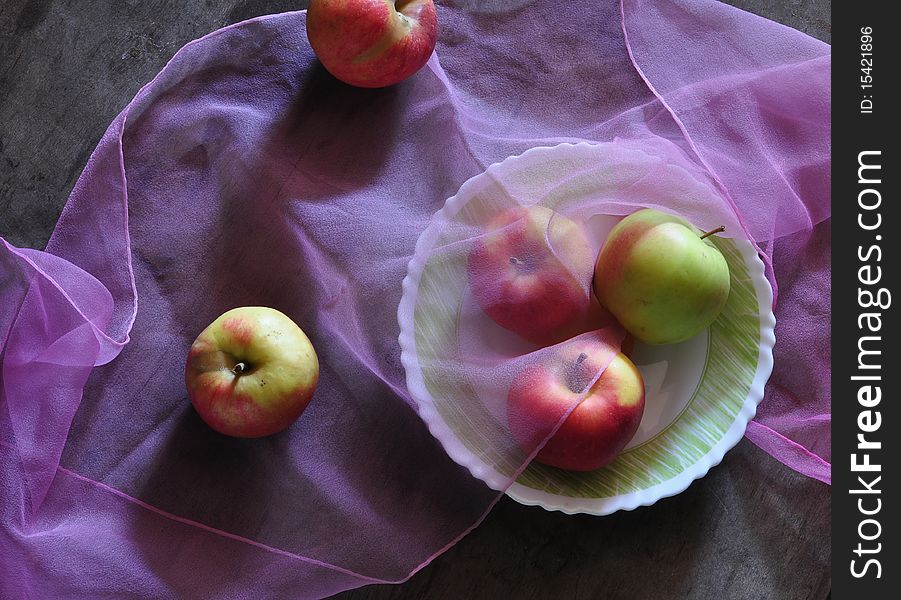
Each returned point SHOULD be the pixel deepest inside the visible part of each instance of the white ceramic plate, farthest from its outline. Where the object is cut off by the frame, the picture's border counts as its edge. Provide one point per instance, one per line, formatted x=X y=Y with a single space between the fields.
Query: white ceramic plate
x=700 y=393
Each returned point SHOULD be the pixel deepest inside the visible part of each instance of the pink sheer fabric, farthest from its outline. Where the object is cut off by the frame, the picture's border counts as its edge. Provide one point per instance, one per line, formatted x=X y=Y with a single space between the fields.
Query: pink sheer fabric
x=244 y=174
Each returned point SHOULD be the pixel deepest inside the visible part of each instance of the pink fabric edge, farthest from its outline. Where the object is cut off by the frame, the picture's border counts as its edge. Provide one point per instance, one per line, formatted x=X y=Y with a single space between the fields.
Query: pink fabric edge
x=40 y=273
x=203 y=527
x=777 y=445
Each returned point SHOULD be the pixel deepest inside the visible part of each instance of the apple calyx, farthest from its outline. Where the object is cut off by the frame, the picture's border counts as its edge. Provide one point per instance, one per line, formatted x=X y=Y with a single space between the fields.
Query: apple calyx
x=407 y=13
x=240 y=368
x=401 y=5
x=713 y=231
x=576 y=379
x=523 y=267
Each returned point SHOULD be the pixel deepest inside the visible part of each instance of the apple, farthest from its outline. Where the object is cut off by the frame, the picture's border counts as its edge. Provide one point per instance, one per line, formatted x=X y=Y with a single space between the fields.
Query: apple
x=662 y=279
x=372 y=43
x=598 y=428
x=251 y=372
x=530 y=270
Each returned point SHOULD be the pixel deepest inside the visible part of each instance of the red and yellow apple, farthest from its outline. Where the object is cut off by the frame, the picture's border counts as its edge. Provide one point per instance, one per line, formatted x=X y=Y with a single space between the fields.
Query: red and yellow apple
x=601 y=424
x=372 y=43
x=251 y=372
x=526 y=273
x=662 y=278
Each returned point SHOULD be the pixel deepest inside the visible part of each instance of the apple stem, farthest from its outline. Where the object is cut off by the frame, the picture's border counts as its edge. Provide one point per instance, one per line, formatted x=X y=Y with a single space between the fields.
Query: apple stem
x=719 y=229
x=239 y=368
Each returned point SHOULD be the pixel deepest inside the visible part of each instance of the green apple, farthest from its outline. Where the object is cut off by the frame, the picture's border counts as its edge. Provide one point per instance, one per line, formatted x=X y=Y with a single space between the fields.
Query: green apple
x=662 y=279
x=251 y=372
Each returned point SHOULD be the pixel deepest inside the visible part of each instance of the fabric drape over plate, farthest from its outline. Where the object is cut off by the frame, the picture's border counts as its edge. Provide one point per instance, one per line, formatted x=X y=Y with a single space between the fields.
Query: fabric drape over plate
x=245 y=175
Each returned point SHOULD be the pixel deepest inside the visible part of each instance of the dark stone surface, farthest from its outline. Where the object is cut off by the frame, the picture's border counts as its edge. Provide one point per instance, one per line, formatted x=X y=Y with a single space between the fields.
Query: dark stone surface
x=750 y=529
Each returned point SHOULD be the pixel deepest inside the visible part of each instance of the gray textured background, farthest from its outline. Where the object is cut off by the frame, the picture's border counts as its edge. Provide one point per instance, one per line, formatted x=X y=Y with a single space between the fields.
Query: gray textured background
x=750 y=529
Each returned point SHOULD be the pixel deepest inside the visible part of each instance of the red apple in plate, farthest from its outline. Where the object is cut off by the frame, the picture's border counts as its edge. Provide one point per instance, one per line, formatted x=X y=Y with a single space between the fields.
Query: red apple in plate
x=600 y=426
x=251 y=372
x=530 y=272
x=372 y=43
